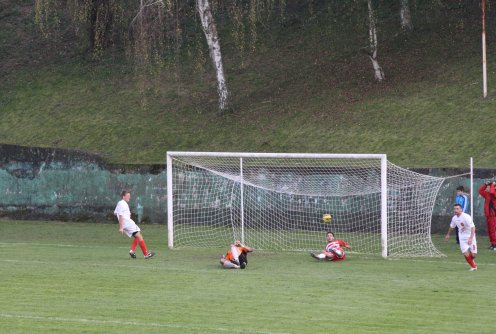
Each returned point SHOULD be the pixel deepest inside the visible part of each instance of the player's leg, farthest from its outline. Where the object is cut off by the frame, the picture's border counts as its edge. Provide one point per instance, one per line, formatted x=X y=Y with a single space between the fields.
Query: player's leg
x=130 y=229
x=243 y=260
x=132 y=252
x=491 y=232
x=320 y=256
x=141 y=241
x=473 y=248
x=138 y=236
x=467 y=253
x=228 y=264
x=470 y=260
x=235 y=254
x=339 y=253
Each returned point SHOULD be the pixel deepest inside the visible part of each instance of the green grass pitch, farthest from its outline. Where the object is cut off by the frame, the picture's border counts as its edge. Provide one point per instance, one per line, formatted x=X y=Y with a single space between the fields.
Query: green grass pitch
x=78 y=278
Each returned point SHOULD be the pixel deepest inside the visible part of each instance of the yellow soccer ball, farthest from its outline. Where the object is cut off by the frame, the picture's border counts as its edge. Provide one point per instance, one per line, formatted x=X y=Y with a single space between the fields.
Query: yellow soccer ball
x=326 y=218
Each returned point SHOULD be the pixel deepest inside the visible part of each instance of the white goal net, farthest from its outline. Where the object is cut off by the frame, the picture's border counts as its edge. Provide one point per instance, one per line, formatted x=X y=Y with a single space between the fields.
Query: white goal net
x=276 y=202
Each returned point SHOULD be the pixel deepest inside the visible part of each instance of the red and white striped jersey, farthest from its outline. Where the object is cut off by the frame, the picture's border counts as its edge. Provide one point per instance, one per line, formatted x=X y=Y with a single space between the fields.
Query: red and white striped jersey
x=337 y=245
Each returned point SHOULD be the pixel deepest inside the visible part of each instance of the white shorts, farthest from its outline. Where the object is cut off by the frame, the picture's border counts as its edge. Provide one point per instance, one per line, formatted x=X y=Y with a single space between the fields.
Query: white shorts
x=464 y=246
x=130 y=227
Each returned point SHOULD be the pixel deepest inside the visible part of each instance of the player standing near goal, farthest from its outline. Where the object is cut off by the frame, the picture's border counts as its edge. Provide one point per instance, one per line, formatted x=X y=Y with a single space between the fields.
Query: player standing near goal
x=462 y=199
x=128 y=226
x=487 y=190
x=236 y=257
x=334 y=249
x=466 y=233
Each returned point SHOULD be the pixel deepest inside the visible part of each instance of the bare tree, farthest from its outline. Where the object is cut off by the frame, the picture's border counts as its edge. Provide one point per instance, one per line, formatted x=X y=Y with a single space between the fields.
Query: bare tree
x=148 y=24
x=405 y=16
x=146 y=32
x=378 y=72
x=210 y=30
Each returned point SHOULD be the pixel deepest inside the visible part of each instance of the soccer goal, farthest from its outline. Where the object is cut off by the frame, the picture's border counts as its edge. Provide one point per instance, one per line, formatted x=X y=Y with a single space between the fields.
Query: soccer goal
x=277 y=201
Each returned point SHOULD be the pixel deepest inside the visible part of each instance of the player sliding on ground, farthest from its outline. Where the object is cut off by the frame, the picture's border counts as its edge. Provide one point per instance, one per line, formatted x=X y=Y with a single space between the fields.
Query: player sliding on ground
x=466 y=234
x=236 y=257
x=334 y=250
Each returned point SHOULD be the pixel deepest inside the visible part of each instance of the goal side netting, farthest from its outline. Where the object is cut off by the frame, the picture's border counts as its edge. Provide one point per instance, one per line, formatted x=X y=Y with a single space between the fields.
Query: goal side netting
x=276 y=202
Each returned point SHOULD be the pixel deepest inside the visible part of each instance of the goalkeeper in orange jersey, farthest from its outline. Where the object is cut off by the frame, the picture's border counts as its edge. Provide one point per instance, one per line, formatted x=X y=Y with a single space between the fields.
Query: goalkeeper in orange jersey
x=236 y=257
x=334 y=249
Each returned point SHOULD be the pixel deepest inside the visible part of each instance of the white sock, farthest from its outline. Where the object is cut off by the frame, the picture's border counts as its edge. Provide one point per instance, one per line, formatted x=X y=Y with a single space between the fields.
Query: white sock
x=230 y=265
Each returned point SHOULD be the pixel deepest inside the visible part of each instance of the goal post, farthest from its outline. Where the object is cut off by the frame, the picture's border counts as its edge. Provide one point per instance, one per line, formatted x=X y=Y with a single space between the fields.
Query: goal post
x=384 y=219
x=275 y=201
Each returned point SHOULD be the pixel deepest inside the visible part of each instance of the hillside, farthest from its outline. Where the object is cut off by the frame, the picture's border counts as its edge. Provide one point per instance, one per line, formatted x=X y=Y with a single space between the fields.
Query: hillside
x=307 y=87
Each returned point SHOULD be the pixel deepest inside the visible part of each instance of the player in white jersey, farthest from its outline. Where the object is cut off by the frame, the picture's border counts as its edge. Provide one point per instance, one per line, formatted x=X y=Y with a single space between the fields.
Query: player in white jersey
x=466 y=234
x=128 y=226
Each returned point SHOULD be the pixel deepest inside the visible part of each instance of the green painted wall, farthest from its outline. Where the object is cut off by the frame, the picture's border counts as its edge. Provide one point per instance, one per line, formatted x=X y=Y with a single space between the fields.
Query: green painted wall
x=38 y=183
x=69 y=185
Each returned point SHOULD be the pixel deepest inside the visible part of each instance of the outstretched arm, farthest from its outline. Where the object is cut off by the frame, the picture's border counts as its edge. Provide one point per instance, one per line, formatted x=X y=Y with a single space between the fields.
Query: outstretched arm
x=121 y=224
x=238 y=243
x=491 y=189
x=448 y=233
x=482 y=189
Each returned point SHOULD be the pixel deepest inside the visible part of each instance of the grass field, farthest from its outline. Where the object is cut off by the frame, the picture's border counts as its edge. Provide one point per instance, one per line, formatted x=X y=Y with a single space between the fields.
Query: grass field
x=74 y=277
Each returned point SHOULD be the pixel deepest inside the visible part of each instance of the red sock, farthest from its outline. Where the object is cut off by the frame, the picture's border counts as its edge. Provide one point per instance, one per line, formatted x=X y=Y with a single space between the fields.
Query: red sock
x=143 y=247
x=470 y=260
x=133 y=246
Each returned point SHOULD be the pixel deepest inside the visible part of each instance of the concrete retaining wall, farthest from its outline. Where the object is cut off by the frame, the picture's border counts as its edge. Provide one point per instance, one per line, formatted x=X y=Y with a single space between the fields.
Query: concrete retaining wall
x=44 y=183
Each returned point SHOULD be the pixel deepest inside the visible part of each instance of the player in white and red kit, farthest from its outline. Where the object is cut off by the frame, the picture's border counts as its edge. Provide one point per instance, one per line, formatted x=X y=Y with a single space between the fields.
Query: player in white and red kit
x=334 y=249
x=128 y=226
x=466 y=234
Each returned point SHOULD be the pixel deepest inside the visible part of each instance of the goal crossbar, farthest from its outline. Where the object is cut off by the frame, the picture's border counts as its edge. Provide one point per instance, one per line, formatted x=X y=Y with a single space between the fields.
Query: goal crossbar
x=277 y=155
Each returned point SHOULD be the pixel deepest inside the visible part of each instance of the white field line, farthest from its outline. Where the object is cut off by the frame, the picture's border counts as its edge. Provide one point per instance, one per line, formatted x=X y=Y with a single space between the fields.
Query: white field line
x=9 y=244
x=132 y=323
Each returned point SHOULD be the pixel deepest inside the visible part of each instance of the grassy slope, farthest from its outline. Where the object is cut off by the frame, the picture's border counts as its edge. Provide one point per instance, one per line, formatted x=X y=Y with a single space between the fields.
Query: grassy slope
x=56 y=279
x=311 y=93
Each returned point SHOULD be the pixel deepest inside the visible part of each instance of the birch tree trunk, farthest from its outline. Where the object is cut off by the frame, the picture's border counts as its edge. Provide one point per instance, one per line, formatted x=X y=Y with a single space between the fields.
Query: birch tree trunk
x=406 y=17
x=210 y=30
x=378 y=72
